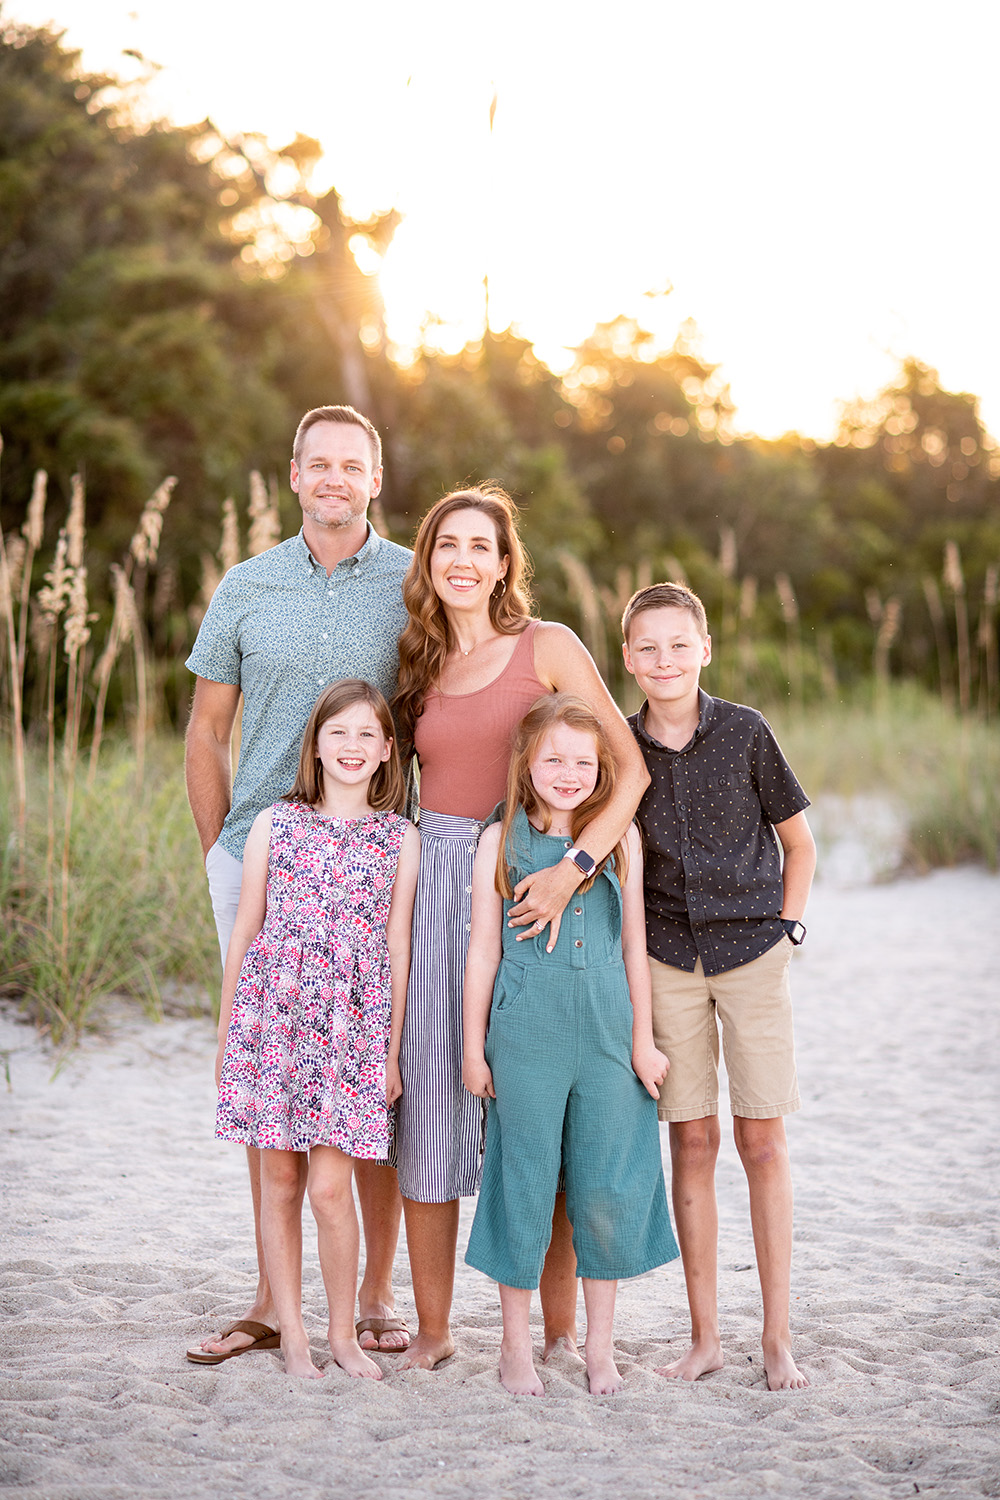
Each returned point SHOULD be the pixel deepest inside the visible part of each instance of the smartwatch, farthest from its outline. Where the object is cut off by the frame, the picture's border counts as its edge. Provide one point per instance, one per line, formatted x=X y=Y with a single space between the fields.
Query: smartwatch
x=794 y=930
x=584 y=863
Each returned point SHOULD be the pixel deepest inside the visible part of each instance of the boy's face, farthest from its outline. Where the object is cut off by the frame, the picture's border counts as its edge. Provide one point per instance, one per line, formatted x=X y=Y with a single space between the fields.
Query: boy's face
x=665 y=653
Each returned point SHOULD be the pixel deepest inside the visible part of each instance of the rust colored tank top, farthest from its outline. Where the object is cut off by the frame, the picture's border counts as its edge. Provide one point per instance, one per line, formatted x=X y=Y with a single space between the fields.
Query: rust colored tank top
x=464 y=740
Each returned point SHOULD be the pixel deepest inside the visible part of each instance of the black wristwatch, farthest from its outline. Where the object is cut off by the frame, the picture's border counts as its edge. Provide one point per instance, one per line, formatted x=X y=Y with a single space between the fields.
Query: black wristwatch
x=794 y=930
x=583 y=861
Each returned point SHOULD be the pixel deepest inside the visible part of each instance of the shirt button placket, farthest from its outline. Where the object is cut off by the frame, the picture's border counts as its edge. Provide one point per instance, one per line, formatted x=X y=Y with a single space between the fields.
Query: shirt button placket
x=324 y=650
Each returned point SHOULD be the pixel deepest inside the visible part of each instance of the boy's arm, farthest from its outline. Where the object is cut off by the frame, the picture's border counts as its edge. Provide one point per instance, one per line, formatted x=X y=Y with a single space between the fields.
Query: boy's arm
x=648 y=1063
x=485 y=949
x=798 y=865
x=249 y=920
x=398 y=932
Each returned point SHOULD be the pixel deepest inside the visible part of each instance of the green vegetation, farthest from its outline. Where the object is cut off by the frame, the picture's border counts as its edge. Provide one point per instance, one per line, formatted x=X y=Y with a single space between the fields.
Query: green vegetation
x=138 y=918
x=171 y=301
x=941 y=773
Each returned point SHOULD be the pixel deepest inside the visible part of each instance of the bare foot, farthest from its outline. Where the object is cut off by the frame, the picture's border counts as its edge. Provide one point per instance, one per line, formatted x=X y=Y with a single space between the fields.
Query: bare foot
x=425 y=1352
x=351 y=1358
x=783 y=1374
x=299 y=1362
x=559 y=1343
x=603 y=1375
x=517 y=1371
x=701 y=1359
x=386 y=1340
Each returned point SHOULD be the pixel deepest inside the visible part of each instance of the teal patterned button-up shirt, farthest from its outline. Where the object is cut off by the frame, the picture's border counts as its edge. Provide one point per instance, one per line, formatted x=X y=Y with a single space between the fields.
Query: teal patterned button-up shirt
x=281 y=630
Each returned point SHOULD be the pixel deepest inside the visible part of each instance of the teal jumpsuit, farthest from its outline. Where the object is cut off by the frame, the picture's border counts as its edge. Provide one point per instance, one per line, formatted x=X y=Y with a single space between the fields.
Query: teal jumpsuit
x=560 y=1050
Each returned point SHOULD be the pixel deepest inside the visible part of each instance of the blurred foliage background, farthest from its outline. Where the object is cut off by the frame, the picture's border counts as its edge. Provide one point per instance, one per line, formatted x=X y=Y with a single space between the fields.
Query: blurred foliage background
x=172 y=301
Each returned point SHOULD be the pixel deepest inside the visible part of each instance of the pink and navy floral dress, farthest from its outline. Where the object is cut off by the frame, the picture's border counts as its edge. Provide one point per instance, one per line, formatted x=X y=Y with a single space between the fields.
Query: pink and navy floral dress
x=306 y=1049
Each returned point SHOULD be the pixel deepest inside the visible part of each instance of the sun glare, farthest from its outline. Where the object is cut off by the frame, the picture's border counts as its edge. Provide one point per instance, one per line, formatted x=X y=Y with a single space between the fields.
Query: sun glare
x=576 y=167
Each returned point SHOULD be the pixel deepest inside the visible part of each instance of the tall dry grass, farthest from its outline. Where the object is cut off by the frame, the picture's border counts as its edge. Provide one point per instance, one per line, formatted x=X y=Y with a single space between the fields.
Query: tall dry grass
x=99 y=874
x=136 y=920
x=939 y=771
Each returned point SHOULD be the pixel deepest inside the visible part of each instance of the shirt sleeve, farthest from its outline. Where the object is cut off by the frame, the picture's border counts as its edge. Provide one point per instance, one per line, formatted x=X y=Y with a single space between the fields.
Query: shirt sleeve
x=216 y=652
x=780 y=794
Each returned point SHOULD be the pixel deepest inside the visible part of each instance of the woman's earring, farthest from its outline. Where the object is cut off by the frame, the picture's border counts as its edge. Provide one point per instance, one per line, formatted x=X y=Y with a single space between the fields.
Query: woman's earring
x=503 y=588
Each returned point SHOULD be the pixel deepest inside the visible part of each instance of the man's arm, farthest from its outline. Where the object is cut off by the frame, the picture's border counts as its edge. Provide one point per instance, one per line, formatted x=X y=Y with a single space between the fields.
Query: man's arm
x=207 y=756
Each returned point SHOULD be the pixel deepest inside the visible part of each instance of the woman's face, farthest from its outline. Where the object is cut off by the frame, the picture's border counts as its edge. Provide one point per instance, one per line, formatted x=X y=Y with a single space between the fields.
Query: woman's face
x=465 y=561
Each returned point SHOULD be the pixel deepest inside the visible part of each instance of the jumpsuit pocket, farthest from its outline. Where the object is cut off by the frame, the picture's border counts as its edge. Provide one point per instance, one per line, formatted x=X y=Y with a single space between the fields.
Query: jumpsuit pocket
x=618 y=1010
x=509 y=986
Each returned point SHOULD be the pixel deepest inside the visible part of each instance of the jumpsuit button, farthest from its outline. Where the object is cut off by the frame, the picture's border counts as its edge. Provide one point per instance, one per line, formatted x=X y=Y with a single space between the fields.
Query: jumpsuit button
x=578 y=911
x=578 y=943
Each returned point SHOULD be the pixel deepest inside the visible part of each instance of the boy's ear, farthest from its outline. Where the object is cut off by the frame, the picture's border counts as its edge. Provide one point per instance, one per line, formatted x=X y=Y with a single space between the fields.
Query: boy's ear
x=627 y=655
x=708 y=651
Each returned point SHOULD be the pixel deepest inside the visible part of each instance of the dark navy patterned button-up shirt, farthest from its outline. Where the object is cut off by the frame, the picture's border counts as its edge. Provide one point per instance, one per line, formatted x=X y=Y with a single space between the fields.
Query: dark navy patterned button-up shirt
x=281 y=630
x=712 y=879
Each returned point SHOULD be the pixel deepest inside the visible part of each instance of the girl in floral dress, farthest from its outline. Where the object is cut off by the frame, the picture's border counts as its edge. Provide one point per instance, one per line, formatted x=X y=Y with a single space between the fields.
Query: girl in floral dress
x=313 y=998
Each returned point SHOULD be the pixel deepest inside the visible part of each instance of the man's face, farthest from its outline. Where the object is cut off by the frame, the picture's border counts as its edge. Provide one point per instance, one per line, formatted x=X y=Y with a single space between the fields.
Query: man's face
x=334 y=478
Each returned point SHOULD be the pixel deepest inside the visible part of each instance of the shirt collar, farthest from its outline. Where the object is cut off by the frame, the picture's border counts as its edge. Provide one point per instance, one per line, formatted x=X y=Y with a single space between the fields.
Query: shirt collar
x=367 y=552
x=706 y=710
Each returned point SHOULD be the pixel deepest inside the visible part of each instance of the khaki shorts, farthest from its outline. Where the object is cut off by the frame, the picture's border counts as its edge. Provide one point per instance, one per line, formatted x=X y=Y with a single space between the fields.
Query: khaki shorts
x=754 y=1004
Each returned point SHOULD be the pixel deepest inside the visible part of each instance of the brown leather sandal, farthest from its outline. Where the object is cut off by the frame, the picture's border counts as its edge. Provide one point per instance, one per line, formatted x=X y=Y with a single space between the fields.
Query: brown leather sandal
x=378 y=1326
x=263 y=1338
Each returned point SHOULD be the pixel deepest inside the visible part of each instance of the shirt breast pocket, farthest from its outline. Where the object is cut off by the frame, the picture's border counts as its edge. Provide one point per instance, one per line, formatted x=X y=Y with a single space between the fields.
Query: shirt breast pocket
x=726 y=803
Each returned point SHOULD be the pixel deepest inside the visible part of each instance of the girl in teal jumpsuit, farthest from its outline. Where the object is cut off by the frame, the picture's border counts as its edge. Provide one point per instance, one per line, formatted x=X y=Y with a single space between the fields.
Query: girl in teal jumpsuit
x=568 y=1064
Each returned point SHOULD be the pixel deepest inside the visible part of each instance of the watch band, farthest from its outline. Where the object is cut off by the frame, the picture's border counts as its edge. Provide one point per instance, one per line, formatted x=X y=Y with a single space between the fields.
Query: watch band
x=794 y=929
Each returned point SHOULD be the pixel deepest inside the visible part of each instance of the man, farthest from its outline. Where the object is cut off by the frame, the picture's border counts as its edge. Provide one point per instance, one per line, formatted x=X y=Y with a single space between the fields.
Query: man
x=323 y=605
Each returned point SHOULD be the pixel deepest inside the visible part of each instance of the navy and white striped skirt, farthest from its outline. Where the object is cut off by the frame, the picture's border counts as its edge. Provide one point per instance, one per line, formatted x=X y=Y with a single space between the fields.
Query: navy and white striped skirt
x=440 y=1126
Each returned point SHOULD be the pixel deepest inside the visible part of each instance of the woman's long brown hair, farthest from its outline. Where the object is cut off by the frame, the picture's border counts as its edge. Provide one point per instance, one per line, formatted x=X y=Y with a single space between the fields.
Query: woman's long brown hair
x=542 y=716
x=387 y=788
x=426 y=639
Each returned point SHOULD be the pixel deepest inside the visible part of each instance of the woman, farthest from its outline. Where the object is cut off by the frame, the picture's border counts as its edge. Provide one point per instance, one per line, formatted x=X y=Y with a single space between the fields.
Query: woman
x=471 y=663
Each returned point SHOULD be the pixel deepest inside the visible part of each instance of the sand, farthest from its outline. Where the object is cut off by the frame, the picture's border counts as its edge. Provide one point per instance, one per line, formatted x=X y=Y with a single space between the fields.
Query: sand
x=125 y=1235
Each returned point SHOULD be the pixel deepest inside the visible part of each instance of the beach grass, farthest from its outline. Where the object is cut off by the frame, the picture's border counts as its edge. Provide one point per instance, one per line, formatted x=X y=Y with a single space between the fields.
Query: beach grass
x=137 y=916
x=939 y=771
x=138 y=920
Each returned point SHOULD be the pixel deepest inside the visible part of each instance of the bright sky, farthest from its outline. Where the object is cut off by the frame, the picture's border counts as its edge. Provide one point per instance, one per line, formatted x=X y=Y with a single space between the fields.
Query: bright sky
x=815 y=180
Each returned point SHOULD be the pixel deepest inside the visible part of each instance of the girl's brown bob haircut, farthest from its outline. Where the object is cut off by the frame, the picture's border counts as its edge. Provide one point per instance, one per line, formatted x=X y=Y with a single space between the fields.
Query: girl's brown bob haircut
x=544 y=715
x=387 y=789
x=426 y=639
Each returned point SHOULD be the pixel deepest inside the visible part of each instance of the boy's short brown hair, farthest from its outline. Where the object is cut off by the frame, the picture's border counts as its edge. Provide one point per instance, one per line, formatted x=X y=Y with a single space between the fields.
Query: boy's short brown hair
x=665 y=596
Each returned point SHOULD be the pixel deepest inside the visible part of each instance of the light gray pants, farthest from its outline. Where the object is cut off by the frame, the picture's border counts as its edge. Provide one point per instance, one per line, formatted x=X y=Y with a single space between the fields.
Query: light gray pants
x=225 y=872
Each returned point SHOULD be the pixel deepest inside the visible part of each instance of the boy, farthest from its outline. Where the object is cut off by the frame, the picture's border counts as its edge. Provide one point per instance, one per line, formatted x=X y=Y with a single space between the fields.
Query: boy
x=722 y=916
